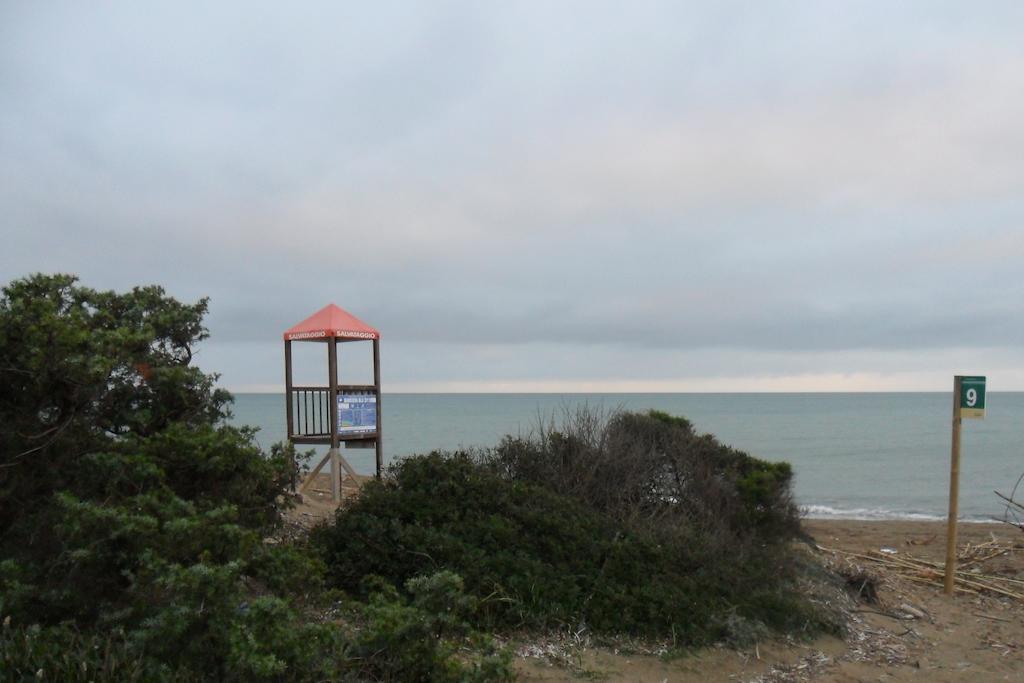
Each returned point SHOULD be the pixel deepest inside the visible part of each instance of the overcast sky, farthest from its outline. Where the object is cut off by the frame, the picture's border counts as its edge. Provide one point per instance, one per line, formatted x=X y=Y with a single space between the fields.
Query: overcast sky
x=545 y=196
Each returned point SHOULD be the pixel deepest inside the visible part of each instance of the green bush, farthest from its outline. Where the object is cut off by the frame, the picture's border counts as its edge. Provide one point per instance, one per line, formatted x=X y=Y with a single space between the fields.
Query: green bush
x=520 y=550
x=133 y=518
x=61 y=653
x=532 y=557
x=426 y=637
x=133 y=522
x=656 y=471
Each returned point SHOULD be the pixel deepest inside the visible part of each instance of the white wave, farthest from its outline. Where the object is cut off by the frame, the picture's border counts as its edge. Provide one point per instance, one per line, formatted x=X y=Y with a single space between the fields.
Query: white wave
x=869 y=514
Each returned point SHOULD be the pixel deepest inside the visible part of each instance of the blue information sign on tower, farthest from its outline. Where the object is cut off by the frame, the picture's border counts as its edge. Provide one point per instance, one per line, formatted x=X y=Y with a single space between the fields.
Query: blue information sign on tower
x=357 y=413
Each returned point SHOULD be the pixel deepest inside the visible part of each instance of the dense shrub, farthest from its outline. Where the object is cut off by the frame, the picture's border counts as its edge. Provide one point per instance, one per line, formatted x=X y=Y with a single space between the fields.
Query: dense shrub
x=654 y=470
x=423 y=637
x=61 y=653
x=133 y=518
x=534 y=557
x=521 y=550
x=426 y=636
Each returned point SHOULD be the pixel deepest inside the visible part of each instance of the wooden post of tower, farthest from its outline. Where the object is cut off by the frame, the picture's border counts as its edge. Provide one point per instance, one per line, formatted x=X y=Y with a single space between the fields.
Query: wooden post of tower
x=376 y=386
x=289 y=414
x=332 y=397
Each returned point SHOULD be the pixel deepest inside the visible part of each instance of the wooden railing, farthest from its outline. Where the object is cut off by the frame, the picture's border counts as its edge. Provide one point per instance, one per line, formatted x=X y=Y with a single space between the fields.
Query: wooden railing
x=309 y=412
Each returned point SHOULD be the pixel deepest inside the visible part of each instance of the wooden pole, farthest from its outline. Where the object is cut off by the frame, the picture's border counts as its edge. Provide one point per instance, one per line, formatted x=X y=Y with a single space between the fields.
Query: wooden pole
x=288 y=386
x=288 y=401
x=332 y=368
x=376 y=386
x=954 y=491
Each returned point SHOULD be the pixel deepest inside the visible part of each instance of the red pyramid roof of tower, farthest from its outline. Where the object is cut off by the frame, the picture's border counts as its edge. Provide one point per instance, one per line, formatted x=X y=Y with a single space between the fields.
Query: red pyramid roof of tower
x=330 y=321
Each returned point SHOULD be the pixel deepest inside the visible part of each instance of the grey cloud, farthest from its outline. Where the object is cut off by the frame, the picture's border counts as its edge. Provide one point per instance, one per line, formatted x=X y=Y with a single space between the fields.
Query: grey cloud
x=597 y=181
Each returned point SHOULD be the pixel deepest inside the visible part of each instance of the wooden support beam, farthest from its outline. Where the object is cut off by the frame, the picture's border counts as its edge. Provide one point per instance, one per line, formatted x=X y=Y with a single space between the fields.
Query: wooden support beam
x=376 y=387
x=345 y=465
x=312 y=475
x=332 y=369
x=288 y=402
x=288 y=386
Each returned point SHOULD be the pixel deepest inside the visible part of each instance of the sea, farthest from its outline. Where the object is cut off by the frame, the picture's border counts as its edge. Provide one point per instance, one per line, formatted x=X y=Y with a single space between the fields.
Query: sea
x=855 y=455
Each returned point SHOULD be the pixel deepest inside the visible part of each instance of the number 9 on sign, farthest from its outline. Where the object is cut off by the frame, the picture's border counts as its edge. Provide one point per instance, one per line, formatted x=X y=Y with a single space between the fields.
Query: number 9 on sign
x=972 y=397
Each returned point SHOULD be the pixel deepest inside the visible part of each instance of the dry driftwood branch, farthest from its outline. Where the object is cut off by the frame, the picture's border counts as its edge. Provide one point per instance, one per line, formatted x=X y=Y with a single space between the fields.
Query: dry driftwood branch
x=1013 y=507
x=1010 y=501
x=919 y=570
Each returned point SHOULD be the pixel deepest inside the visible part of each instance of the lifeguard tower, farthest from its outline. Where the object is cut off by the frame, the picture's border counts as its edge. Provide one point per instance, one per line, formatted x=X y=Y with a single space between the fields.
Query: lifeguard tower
x=335 y=413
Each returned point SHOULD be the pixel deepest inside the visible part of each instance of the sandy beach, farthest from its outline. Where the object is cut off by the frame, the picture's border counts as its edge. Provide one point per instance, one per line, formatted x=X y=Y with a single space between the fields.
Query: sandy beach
x=913 y=632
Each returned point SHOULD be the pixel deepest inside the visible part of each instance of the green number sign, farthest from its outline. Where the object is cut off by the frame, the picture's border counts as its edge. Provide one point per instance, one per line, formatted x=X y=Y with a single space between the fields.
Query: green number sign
x=972 y=397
